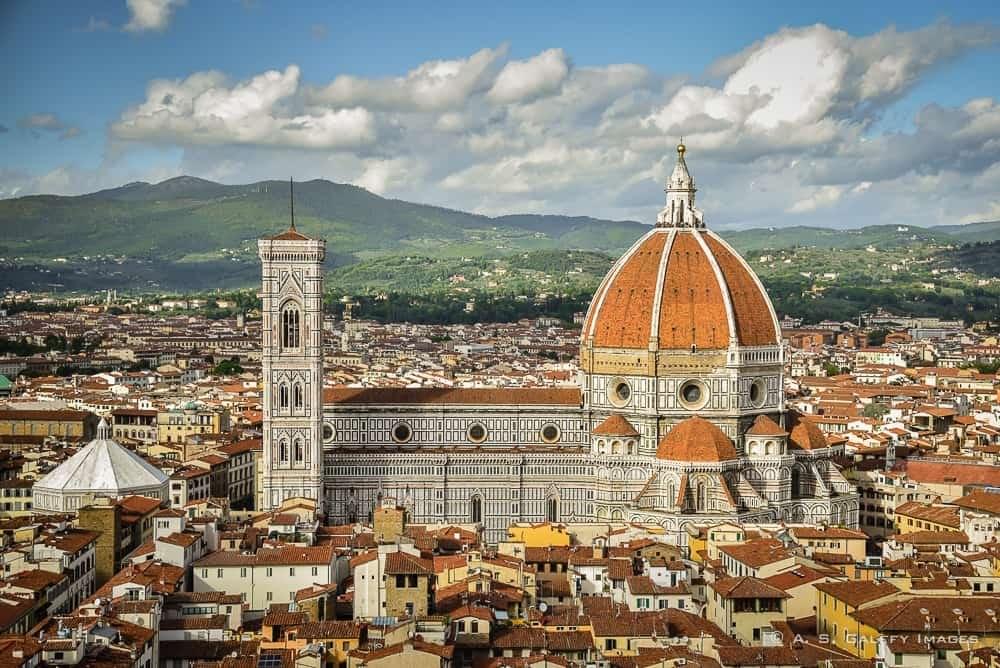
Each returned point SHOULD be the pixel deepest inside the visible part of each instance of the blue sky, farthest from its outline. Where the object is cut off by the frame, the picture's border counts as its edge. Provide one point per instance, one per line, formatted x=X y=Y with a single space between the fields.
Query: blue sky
x=568 y=108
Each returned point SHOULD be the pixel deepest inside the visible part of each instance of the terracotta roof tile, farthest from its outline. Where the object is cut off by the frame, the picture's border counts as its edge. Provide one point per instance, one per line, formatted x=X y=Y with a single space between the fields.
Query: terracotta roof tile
x=693 y=309
x=626 y=313
x=857 y=592
x=615 y=425
x=804 y=434
x=754 y=322
x=696 y=440
x=765 y=426
x=747 y=587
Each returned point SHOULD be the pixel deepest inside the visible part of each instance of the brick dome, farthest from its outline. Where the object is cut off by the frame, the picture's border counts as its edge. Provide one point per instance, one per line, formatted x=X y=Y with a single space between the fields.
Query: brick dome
x=805 y=434
x=696 y=440
x=680 y=286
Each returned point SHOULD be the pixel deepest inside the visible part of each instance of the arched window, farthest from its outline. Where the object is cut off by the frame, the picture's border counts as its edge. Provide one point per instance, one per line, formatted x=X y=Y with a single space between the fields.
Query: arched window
x=283 y=396
x=300 y=451
x=477 y=509
x=796 y=484
x=283 y=450
x=290 y=326
x=701 y=498
x=297 y=395
x=552 y=509
x=671 y=493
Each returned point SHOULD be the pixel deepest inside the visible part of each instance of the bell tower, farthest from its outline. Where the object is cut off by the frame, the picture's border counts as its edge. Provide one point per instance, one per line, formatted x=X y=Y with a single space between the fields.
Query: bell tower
x=292 y=361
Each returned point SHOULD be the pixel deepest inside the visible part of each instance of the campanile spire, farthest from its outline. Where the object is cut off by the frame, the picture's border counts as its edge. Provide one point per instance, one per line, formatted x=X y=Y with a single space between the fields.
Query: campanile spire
x=680 y=210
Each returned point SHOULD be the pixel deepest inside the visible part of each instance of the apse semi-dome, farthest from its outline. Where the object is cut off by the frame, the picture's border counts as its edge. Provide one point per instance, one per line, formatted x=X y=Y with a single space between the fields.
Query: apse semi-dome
x=696 y=440
x=680 y=287
x=101 y=468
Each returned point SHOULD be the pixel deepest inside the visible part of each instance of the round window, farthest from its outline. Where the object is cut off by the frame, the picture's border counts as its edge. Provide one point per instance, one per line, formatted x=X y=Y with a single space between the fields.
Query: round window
x=477 y=433
x=758 y=393
x=619 y=392
x=328 y=432
x=550 y=433
x=693 y=394
x=402 y=433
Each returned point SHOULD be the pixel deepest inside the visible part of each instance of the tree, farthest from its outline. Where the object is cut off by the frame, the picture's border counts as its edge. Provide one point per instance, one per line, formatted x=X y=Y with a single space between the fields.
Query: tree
x=875 y=410
x=831 y=369
x=876 y=337
x=229 y=367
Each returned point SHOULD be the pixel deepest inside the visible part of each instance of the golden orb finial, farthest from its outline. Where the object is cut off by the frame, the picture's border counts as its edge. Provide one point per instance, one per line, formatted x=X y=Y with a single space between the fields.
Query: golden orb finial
x=681 y=148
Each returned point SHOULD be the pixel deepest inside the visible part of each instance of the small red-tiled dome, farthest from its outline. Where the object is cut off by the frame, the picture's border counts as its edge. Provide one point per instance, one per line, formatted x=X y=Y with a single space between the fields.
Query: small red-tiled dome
x=696 y=440
x=615 y=425
x=765 y=426
x=804 y=434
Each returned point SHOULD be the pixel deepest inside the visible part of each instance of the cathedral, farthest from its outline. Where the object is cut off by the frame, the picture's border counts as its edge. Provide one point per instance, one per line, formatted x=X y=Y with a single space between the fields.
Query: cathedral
x=678 y=417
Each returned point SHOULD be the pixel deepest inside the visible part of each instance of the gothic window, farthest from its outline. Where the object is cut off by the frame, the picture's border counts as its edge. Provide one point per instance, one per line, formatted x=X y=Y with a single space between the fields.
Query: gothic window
x=796 y=484
x=300 y=451
x=297 y=395
x=701 y=500
x=290 y=326
x=477 y=509
x=283 y=396
x=283 y=450
x=552 y=509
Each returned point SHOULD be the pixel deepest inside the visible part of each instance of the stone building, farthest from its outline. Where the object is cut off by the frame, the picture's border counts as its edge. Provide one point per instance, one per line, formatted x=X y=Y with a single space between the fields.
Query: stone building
x=102 y=468
x=61 y=423
x=679 y=417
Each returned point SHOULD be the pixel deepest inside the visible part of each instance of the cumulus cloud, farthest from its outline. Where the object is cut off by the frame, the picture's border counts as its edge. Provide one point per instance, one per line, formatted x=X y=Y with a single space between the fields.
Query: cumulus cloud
x=206 y=108
x=433 y=86
x=781 y=132
x=821 y=197
x=49 y=123
x=527 y=79
x=146 y=15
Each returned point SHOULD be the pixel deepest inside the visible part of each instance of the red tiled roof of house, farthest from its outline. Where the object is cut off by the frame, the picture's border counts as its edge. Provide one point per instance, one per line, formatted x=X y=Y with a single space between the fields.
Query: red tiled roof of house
x=857 y=592
x=747 y=587
x=403 y=563
x=940 y=472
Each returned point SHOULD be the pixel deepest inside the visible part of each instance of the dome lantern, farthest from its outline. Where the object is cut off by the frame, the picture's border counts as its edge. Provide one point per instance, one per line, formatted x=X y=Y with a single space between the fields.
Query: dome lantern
x=680 y=210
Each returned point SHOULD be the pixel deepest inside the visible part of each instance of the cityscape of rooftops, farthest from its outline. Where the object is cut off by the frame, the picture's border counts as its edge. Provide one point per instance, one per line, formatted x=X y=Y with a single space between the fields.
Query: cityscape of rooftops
x=446 y=335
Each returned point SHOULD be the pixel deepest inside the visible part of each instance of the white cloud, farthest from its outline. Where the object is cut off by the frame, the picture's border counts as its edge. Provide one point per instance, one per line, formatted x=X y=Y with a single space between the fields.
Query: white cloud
x=36 y=124
x=822 y=197
x=147 y=15
x=522 y=80
x=433 y=86
x=206 y=109
x=782 y=132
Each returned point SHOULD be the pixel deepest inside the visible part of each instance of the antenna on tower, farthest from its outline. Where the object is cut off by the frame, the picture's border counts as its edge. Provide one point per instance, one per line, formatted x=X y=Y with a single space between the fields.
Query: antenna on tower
x=291 y=199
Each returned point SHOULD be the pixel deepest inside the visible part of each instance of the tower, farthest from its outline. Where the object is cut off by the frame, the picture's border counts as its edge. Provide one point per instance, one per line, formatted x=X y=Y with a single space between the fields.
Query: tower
x=292 y=361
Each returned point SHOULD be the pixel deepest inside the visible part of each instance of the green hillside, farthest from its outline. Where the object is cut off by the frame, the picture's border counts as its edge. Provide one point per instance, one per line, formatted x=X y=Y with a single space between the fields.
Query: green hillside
x=188 y=219
x=191 y=235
